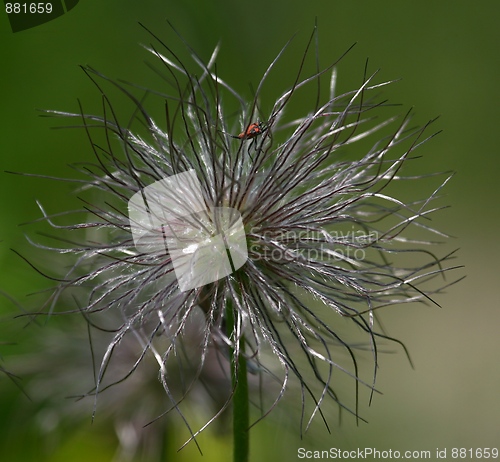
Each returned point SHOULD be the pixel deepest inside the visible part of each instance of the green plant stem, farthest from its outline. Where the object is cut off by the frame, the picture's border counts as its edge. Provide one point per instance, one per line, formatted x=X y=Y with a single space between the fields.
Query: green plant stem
x=241 y=416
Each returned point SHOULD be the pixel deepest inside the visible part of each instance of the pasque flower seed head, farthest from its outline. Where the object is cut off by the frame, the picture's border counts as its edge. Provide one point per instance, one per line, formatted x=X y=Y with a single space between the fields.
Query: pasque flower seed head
x=293 y=223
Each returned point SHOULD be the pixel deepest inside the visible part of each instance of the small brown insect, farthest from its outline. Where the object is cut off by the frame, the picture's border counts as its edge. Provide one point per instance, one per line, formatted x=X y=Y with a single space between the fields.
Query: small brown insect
x=251 y=133
x=253 y=130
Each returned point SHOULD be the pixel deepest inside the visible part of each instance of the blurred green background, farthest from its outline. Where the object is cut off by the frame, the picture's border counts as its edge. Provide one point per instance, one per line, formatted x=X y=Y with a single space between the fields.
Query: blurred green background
x=446 y=53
